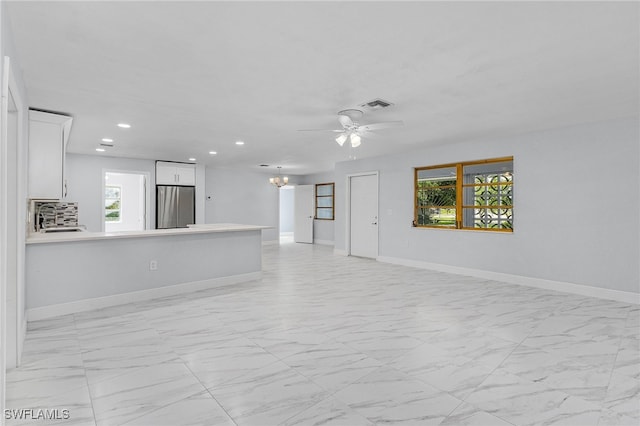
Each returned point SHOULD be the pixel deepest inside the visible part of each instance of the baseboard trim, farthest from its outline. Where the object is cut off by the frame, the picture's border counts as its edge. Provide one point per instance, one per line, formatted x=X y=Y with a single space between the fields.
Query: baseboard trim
x=340 y=252
x=583 y=290
x=323 y=242
x=45 y=312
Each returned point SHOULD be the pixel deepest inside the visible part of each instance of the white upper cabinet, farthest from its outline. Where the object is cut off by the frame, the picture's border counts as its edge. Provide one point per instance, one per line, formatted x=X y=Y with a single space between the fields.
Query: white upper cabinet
x=168 y=173
x=186 y=174
x=165 y=175
x=48 y=137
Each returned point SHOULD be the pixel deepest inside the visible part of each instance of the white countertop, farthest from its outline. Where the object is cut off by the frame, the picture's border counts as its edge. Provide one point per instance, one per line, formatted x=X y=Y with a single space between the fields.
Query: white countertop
x=63 y=237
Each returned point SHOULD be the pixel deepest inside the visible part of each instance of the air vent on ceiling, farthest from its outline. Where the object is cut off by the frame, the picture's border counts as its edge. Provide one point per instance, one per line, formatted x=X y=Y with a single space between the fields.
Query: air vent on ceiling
x=264 y=165
x=376 y=104
x=109 y=144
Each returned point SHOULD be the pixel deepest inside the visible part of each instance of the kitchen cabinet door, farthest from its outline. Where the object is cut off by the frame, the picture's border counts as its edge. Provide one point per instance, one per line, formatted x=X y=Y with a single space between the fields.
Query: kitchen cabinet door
x=48 y=136
x=165 y=174
x=186 y=174
x=168 y=173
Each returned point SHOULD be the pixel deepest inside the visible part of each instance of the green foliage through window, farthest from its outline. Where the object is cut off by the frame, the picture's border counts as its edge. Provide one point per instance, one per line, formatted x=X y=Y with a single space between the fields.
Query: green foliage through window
x=473 y=195
x=112 y=203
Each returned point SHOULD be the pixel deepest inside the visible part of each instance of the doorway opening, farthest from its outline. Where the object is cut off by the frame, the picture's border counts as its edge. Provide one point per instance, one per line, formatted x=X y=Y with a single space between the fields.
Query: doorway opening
x=287 y=203
x=125 y=201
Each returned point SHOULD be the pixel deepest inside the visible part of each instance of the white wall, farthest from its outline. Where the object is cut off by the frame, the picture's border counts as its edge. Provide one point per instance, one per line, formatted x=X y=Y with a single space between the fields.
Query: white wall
x=133 y=197
x=238 y=196
x=200 y=193
x=323 y=230
x=180 y=259
x=85 y=178
x=576 y=210
x=287 y=196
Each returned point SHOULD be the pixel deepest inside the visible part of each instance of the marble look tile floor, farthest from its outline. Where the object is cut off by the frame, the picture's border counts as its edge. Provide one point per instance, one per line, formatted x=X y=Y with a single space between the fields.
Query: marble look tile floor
x=332 y=340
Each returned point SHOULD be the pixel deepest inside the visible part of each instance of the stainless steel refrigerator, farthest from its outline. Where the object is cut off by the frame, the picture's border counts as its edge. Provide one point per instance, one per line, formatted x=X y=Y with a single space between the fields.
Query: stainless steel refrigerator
x=175 y=206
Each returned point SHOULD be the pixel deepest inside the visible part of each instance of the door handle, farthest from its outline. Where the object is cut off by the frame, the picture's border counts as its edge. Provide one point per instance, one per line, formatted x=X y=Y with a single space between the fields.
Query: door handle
x=374 y=223
x=177 y=208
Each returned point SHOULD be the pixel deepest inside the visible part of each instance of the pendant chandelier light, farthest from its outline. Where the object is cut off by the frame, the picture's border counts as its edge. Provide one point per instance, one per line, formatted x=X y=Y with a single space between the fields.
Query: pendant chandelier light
x=279 y=181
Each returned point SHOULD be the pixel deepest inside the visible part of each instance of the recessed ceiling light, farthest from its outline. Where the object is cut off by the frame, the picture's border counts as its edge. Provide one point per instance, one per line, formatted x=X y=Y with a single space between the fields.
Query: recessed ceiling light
x=124 y=125
x=212 y=152
x=192 y=159
x=107 y=140
x=100 y=149
x=239 y=143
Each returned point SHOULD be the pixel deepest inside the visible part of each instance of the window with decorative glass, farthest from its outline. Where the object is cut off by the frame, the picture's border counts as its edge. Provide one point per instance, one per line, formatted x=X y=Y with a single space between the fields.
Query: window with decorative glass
x=324 y=201
x=471 y=195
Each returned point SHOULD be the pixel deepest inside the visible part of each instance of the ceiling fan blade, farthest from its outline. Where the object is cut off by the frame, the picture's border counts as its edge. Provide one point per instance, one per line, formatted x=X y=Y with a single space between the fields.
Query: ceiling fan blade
x=380 y=125
x=345 y=120
x=321 y=130
x=368 y=134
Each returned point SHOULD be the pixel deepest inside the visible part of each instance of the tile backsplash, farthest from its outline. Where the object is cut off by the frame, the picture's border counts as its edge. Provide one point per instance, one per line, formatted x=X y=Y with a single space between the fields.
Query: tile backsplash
x=49 y=214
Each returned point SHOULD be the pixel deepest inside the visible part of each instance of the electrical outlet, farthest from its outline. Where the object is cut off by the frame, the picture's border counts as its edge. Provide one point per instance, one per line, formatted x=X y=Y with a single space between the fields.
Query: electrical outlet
x=153 y=265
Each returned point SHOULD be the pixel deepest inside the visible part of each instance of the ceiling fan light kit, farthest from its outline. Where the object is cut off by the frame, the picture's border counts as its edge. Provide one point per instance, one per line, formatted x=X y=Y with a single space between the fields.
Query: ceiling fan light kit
x=341 y=139
x=353 y=137
x=354 y=131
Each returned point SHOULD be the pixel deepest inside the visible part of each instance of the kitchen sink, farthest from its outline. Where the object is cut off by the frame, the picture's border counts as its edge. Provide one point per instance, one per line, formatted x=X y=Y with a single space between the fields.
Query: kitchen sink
x=64 y=229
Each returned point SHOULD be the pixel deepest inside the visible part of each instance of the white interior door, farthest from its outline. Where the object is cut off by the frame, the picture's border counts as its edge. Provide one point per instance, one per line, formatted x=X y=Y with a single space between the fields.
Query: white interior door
x=303 y=216
x=363 y=218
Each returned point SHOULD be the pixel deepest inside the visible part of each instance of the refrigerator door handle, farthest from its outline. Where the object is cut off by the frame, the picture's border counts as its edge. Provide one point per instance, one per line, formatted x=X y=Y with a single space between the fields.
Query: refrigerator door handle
x=177 y=207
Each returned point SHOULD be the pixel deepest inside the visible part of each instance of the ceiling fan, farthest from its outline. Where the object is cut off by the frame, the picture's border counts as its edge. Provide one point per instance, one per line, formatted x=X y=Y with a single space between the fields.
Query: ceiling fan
x=352 y=129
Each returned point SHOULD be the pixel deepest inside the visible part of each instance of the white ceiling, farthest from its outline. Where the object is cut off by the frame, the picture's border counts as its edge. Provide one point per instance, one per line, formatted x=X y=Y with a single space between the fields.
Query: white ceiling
x=197 y=76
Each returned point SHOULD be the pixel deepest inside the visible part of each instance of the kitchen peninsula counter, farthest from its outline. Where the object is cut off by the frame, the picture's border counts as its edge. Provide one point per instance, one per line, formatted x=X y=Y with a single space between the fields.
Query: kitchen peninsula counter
x=57 y=237
x=77 y=271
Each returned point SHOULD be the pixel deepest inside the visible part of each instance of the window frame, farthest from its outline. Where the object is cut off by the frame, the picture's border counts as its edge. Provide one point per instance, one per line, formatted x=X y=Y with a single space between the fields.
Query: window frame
x=119 y=199
x=333 y=201
x=460 y=186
